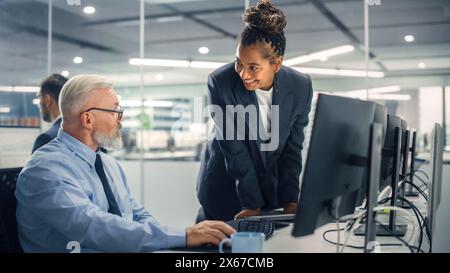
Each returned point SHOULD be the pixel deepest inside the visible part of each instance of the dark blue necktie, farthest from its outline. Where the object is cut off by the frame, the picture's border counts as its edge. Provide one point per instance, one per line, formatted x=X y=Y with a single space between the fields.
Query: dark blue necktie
x=113 y=206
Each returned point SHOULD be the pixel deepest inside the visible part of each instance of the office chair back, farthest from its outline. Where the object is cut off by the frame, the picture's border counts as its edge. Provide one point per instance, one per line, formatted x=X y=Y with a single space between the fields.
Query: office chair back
x=9 y=240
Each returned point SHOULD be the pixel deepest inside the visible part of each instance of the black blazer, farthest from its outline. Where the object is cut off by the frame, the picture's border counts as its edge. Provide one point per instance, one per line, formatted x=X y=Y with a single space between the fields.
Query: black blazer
x=48 y=135
x=235 y=174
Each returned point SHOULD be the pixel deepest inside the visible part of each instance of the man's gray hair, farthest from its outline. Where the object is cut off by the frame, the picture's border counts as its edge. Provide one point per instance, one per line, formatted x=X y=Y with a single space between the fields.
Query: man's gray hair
x=76 y=90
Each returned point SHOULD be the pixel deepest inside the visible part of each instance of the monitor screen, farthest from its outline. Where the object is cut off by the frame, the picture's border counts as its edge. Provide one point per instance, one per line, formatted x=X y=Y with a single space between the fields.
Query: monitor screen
x=435 y=183
x=332 y=175
x=381 y=118
x=387 y=159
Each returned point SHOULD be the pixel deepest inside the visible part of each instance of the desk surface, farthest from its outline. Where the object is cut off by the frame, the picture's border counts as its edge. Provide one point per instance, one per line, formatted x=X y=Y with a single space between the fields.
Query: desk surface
x=283 y=242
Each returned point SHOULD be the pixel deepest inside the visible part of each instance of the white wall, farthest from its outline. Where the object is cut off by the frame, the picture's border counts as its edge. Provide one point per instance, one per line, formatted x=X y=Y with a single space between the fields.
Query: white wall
x=170 y=194
x=409 y=110
x=430 y=107
x=16 y=145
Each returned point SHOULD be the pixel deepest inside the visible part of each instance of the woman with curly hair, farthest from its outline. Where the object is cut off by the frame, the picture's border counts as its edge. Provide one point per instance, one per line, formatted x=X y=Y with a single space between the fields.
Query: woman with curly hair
x=242 y=177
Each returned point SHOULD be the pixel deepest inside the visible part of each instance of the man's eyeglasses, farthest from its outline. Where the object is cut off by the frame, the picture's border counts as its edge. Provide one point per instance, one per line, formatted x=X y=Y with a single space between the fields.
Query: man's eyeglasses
x=118 y=110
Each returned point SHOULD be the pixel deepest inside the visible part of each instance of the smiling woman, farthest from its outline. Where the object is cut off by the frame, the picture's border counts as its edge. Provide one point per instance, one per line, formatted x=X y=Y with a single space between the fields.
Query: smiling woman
x=237 y=177
x=261 y=47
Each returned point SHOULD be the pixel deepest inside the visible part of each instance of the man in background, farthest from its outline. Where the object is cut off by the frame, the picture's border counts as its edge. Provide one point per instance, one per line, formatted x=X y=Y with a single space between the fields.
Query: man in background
x=48 y=105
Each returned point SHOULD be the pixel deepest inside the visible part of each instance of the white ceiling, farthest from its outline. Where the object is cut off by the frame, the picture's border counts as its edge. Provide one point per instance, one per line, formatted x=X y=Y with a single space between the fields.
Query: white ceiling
x=107 y=39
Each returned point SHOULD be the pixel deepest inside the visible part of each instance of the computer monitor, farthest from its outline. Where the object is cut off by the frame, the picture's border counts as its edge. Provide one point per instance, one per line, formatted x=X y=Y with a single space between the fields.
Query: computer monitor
x=388 y=156
x=435 y=182
x=404 y=162
x=381 y=118
x=405 y=146
x=409 y=190
x=336 y=161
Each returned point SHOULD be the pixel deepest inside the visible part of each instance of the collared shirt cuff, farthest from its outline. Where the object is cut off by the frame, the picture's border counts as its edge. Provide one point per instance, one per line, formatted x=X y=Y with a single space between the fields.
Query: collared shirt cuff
x=176 y=237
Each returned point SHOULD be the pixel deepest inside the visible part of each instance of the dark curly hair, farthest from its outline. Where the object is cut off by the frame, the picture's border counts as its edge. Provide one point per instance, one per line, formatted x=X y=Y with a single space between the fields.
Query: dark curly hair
x=264 y=23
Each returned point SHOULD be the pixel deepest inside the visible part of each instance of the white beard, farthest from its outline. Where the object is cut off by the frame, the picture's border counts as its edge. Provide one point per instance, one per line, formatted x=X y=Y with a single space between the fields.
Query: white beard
x=113 y=140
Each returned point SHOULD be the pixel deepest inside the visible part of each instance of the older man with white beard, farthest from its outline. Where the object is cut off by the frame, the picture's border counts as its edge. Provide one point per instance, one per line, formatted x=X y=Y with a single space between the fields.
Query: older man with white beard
x=70 y=193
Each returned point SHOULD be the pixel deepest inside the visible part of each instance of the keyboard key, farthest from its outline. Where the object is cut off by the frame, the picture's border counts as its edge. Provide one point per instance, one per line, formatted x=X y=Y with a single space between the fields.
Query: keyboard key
x=251 y=225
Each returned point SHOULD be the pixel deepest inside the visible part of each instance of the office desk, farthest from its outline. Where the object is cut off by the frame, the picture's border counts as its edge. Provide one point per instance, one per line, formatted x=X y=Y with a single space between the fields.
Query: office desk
x=283 y=242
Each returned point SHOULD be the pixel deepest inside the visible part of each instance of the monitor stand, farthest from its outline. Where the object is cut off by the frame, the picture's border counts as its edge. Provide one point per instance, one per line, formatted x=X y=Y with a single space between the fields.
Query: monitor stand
x=392 y=228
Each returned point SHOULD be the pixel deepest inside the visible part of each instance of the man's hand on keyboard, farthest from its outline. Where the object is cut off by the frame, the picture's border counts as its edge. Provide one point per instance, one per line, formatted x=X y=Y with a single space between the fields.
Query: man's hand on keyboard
x=247 y=212
x=208 y=232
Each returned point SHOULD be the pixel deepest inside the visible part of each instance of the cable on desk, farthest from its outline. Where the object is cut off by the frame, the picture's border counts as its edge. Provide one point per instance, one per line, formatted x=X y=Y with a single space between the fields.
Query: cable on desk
x=351 y=246
x=424 y=173
x=417 y=213
x=421 y=180
x=411 y=248
x=420 y=218
x=418 y=189
x=378 y=208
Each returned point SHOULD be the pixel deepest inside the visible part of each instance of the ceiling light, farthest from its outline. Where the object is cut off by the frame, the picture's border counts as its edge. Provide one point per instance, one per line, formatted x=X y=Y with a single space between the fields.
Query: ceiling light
x=159 y=62
x=360 y=73
x=319 y=55
x=159 y=77
x=24 y=89
x=89 y=10
x=5 y=110
x=175 y=63
x=390 y=97
x=317 y=71
x=148 y=103
x=376 y=90
x=196 y=64
x=339 y=72
x=77 y=60
x=203 y=50
x=409 y=38
x=421 y=65
x=385 y=89
x=167 y=19
x=65 y=73
x=130 y=103
x=158 y=103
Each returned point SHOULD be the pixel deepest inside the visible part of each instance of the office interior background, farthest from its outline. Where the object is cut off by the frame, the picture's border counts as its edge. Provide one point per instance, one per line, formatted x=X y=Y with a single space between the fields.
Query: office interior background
x=159 y=53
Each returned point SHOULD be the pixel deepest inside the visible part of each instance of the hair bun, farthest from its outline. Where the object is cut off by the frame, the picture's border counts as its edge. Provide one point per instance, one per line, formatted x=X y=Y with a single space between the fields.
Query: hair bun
x=265 y=17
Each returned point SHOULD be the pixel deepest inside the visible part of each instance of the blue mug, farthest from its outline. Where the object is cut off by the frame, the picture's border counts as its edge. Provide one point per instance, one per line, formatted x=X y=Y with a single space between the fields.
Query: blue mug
x=244 y=242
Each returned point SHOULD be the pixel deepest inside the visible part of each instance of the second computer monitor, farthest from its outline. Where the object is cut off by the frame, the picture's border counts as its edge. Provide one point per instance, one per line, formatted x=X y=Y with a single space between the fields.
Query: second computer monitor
x=380 y=117
x=335 y=167
x=387 y=159
x=435 y=184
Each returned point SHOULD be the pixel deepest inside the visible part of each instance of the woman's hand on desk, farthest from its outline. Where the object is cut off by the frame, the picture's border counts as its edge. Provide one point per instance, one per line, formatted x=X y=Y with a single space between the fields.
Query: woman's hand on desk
x=208 y=232
x=247 y=212
x=290 y=208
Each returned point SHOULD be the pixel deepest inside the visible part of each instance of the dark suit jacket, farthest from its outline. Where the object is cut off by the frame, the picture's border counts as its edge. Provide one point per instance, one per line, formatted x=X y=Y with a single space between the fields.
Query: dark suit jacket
x=48 y=135
x=235 y=174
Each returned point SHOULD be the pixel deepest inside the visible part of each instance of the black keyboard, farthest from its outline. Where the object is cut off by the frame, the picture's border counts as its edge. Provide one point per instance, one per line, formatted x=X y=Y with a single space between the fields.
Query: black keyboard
x=252 y=225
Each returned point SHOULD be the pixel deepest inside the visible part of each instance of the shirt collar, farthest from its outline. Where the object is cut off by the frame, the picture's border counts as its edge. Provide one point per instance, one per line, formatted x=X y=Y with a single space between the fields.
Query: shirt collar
x=58 y=119
x=76 y=146
x=265 y=91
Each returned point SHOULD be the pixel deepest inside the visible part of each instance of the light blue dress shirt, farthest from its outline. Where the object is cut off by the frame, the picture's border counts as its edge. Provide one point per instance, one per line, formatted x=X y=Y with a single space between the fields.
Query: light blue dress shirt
x=60 y=198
